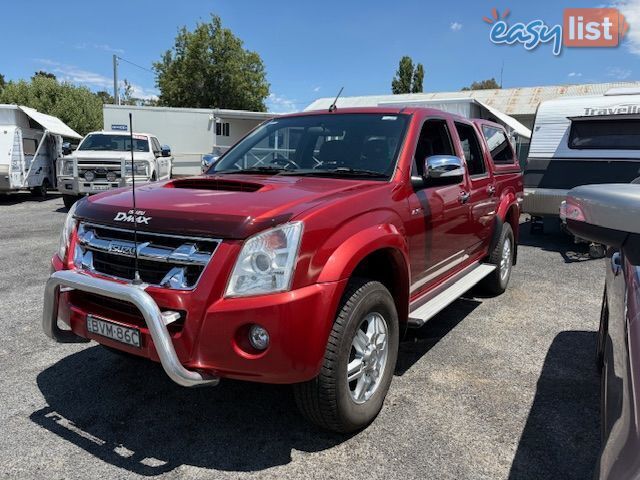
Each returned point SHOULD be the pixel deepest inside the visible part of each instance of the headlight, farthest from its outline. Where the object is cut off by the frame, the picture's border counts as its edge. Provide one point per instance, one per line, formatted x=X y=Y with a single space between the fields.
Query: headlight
x=142 y=168
x=89 y=176
x=266 y=262
x=67 y=168
x=67 y=230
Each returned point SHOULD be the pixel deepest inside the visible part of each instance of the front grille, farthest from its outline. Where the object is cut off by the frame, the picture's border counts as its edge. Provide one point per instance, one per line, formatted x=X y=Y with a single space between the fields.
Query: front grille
x=169 y=261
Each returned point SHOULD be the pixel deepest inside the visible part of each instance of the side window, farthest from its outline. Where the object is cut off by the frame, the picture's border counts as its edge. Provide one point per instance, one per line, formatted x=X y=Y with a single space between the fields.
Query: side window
x=434 y=140
x=471 y=149
x=499 y=145
x=155 y=145
x=222 y=129
x=29 y=146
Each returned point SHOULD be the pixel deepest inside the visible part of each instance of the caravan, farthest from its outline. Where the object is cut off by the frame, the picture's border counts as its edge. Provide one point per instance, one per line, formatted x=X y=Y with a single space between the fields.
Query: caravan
x=579 y=141
x=30 y=146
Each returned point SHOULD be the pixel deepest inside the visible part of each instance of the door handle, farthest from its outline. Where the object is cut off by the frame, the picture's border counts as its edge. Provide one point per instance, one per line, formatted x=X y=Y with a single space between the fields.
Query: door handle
x=491 y=190
x=464 y=197
x=616 y=263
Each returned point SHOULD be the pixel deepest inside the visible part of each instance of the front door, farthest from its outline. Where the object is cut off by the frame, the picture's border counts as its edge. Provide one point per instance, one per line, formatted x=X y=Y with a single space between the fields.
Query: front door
x=438 y=230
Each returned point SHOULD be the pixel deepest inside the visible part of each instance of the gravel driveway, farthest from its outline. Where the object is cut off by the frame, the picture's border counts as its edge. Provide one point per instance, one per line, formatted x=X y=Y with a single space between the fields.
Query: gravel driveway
x=491 y=388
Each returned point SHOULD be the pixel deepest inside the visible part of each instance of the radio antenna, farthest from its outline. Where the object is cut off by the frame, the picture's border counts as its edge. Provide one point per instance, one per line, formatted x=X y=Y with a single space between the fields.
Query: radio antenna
x=136 y=275
x=333 y=106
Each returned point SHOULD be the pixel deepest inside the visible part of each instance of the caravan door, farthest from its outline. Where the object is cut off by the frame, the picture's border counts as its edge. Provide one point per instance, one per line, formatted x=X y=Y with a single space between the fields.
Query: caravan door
x=12 y=166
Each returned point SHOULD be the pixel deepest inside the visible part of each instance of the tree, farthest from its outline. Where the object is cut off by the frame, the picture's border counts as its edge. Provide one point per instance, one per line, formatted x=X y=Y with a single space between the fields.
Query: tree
x=127 y=94
x=78 y=107
x=2 y=82
x=483 y=85
x=209 y=67
x=408 y=79
x=418 y=79
x=42 y=73
x=105 y=97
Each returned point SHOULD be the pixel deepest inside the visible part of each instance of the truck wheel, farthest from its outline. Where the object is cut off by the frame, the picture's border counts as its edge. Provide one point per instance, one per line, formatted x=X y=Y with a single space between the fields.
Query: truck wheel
x=41 y=191
x=597 y=251
x=358 y=363
x=502 y=256
x=69 y=200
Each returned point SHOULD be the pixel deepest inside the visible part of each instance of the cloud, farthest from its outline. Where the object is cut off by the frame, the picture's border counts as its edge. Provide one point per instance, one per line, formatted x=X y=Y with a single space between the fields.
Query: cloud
x=618 y=73
x=316 y=89
x=98 y=46
x=631 y=10
x=455 y=26
x=281 y=104
x=575 y=74
x=93 y=80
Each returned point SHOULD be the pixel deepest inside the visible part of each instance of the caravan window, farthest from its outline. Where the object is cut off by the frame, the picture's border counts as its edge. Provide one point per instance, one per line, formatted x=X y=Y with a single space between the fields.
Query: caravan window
x=29 y=146
x=499 y=146
x=614 y=134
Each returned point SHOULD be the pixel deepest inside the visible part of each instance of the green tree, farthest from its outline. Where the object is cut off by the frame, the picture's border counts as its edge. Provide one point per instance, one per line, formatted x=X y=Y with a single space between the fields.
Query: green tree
x=105 y=97
x=209 y=67
x=408 y=79
x=42 y=73
x=488 y=84
x=418 y=79
x=2 y=82
x=127 y=97
x=78 y=107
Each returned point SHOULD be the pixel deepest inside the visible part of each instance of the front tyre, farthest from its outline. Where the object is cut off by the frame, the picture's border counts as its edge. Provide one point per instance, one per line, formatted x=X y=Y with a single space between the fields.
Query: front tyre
x=502 y=257
x=358 y=364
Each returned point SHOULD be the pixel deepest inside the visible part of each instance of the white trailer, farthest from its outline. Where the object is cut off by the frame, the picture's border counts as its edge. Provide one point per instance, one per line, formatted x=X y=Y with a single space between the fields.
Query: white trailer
x=190 y=132
x=30 y=147
x=579 y=141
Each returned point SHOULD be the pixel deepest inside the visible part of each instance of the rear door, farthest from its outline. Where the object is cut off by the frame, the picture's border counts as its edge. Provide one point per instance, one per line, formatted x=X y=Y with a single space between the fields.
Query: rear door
x=481 y=194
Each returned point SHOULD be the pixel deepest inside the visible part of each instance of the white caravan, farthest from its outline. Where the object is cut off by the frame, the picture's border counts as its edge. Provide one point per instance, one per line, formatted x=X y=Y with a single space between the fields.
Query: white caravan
x=30 y=146
x=579 y=141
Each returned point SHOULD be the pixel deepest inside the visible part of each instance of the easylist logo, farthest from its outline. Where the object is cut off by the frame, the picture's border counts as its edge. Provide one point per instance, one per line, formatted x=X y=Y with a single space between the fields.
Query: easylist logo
x=581 y=27
x=593 y=27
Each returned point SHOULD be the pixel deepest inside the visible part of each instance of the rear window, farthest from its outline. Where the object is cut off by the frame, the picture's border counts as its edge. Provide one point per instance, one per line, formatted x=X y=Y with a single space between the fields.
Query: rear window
x=499 y=145
x=618 y=134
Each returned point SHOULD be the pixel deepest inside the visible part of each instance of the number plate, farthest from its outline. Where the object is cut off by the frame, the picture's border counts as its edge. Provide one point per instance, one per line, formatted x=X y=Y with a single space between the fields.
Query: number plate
x=105 y=328
x=100 y=187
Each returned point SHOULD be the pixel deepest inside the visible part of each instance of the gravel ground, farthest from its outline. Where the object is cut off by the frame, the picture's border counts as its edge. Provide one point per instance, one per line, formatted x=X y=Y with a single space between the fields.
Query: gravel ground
x=491 y=388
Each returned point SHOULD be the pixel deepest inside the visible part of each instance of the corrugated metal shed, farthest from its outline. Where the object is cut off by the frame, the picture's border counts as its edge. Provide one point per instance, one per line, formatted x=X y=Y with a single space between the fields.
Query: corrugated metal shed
x=512 y=101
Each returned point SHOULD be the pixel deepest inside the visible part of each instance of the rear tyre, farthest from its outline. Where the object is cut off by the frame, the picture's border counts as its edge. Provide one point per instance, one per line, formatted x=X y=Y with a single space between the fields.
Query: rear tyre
x=502 y=257
x=602 y=332
x=597 y=251
x=69 y=200
x=358 y=364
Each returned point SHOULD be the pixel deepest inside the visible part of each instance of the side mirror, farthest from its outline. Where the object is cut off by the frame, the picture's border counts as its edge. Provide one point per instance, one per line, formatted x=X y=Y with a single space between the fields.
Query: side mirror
x=444 y=169
x=608 y=214
x=165 y=151
x=208 y=160
x=66 y=149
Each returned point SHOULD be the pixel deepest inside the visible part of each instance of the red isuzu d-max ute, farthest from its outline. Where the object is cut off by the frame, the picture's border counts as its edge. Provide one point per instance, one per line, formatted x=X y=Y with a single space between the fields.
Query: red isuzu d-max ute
x=299 y=257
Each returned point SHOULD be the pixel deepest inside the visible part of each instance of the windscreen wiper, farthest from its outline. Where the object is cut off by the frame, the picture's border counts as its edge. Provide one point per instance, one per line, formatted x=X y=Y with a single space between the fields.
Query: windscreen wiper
x=339 y=171
x=263 y=169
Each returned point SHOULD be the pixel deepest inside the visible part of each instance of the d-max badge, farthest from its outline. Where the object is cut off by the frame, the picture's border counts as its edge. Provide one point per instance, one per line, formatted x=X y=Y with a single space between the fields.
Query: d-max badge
x=132 y=216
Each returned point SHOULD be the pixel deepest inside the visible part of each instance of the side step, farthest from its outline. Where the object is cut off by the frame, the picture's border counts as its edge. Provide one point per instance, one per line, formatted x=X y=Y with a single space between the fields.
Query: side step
x=449 y=293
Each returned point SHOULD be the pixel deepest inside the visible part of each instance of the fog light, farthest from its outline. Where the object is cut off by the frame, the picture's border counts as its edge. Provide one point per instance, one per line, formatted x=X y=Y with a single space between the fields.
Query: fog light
x=89 y=176
x=258 y=337
x=111 y=177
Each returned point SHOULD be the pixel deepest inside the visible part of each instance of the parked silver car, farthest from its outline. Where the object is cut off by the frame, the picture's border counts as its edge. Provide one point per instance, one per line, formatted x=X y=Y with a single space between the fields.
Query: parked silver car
x=610 y=215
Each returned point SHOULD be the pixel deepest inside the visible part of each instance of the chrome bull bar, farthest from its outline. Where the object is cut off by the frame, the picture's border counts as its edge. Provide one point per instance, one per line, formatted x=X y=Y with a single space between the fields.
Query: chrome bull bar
x=72 y=279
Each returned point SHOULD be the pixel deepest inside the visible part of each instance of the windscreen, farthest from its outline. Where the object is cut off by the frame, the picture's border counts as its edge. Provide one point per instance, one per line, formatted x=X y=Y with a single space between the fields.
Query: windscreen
x=614 y=134
x=115 y=143
x=314 y=144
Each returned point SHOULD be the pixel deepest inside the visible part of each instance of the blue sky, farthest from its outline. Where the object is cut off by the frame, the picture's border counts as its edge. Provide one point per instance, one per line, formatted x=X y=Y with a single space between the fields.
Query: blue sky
x=310 y=49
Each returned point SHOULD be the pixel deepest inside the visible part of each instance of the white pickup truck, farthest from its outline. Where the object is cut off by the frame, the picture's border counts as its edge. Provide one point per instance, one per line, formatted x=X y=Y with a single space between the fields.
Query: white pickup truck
x=102 y=161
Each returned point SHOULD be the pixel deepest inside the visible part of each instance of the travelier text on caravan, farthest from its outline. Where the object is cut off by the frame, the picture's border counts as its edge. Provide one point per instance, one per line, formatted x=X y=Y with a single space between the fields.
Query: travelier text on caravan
x=299 y=260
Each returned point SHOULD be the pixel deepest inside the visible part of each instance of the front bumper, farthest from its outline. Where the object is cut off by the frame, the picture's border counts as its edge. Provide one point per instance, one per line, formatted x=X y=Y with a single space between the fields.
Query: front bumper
x=213 y=341
x=125 y=292
x=543 y=202
x=75 y=186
